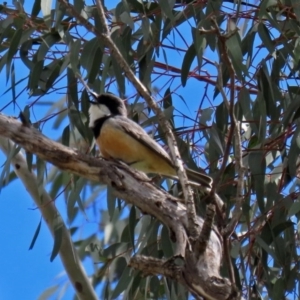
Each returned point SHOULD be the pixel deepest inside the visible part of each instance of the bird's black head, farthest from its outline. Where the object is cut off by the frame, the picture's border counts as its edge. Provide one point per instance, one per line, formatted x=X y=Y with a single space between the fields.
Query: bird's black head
x=105 y=105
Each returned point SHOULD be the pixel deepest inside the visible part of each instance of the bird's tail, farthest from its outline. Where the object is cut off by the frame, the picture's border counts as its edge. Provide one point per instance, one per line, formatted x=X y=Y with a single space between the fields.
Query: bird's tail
x=199 y=178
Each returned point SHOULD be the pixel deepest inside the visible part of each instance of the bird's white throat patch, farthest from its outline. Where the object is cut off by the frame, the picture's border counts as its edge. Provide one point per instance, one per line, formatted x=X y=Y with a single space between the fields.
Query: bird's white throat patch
x=97 y=112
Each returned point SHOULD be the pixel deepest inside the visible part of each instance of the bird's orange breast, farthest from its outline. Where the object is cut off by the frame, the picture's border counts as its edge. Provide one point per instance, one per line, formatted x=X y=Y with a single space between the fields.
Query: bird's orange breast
x=117 y=144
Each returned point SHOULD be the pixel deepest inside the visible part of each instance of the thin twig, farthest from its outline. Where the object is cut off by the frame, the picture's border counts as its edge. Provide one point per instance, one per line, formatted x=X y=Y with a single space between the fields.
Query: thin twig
x=234 y=130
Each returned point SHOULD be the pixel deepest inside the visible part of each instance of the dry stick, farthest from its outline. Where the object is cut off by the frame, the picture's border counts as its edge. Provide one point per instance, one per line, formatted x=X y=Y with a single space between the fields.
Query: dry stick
x=202 y=241
x=237 y=212
x=105 y=38
x=235 y=128
x=69 y=257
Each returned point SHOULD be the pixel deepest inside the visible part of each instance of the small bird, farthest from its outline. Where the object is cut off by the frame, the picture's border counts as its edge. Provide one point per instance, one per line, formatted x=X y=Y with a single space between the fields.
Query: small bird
x=120 y=138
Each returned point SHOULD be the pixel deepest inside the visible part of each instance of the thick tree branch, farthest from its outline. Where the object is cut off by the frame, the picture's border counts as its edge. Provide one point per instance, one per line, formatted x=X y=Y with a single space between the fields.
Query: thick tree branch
x=132 y=186
x=214 y=288
x=67 y=253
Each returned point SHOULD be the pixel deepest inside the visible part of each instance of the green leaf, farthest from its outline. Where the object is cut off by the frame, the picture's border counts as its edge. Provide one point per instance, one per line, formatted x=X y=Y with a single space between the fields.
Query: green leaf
x=264 y=246
x=29 y=157
x=14 y=44
x=199 y=44
x=215 y=141
x=189 y=11
x=78 y=5
x=13 y=82
x=290 y=111
x=119 y=76
x=106 y=61
x=154 y=286
x=167 y=8
x=127 y=19
x=146 y=29
x=245 y=102
x=74 y=55
x=259 y=115
x=46 y=10
x=111 y=202
x=66 y=136
x=115 y=250
x=75 y=118
x=279 y=289
x=293 y=156
x=186 y=64
x=91 y=58
x=131 y=227
x=166 y=243
x=47 y=42
x=235 y=52
x=124 y=282
x=296 y=8
x=221 y=118
x=257 y=165
x=264 y=34
x=36 y=8
x=294 y=209
x=24 y=49
x=48 y=292
x=40 y=169
x=72 y=91
x=269 y=233
x=52 y=71
x=265 y=85
x=4 y=177
x=74 y=197
x=58 y=227
x=167 y=102
x=136 y=285
x=36 y=234
x=35 y=75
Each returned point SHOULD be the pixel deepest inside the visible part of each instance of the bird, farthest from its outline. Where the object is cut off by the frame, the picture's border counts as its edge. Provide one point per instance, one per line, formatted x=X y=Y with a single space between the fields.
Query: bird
x=122 y=139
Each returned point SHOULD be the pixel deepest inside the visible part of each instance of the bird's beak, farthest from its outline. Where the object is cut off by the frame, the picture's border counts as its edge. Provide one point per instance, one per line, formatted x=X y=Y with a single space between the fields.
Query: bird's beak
x=95 y=97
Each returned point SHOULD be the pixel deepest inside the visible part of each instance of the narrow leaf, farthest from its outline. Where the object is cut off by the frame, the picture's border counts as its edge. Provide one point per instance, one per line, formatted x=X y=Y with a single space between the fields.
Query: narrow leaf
x=36 y=234
x=14 y=44
x=58 y=230
x=257 y=164
x=123 y=283
x=186 y=64
x=46 y=10
x=166 y=8
x=131 y=227
x=36 y=8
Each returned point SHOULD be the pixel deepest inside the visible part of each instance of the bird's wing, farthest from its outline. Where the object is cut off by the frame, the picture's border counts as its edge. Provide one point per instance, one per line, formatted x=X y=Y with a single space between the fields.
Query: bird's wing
x=139 y=134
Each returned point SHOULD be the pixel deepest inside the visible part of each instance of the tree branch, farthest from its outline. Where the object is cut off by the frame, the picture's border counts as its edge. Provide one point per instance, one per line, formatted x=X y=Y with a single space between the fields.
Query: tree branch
x=132 y=186
x=213 y=288
x=69 y=257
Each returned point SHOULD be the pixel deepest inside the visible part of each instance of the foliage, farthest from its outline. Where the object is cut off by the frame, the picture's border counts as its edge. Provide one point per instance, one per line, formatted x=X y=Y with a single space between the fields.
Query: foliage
x=204 y=62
